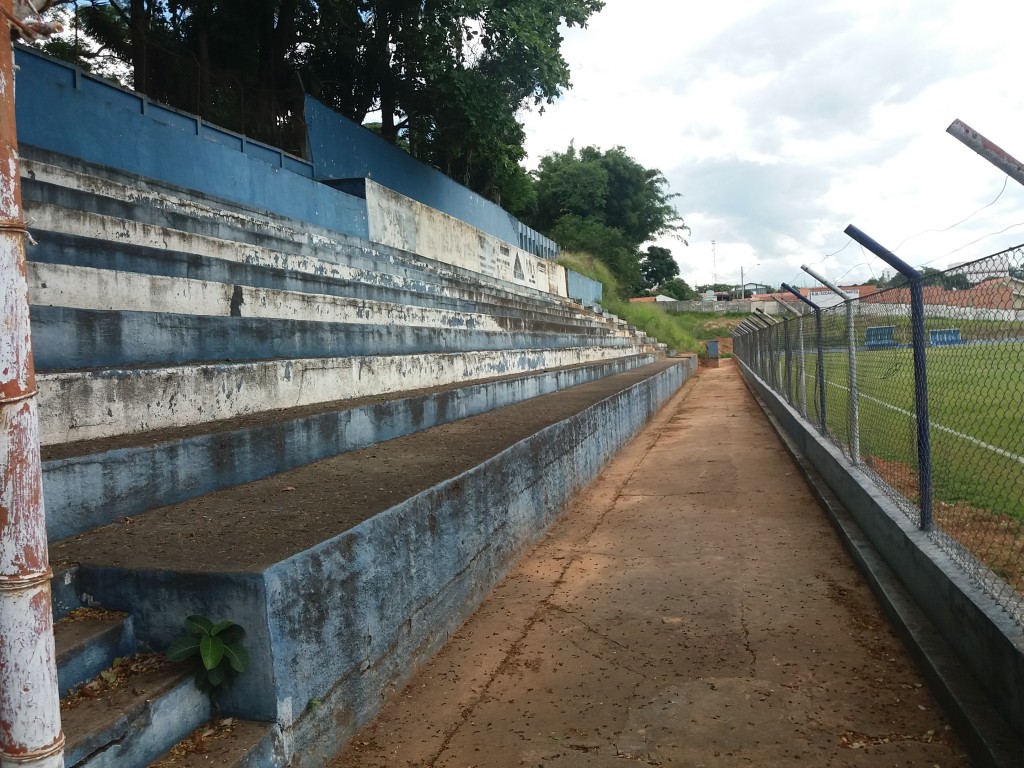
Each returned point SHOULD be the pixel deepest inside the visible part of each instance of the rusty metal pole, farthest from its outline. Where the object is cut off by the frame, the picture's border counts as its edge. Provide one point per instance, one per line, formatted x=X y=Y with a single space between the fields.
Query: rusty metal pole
x=996 y=155
x=30 y=732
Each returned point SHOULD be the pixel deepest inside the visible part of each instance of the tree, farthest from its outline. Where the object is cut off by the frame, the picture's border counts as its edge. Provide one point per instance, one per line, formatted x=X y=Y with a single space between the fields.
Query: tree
x=678 y=289
x=608 y=204
x=608 y=244
x=609 y=187
x=447 y=77
x=658 y=266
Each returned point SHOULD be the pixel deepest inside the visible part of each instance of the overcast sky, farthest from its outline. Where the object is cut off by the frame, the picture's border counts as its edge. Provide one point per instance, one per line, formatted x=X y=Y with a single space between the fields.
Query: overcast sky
x=780 y=122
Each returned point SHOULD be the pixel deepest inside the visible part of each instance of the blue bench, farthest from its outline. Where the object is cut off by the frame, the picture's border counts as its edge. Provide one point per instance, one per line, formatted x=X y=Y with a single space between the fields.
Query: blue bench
x=880 y=337
x=945 y=337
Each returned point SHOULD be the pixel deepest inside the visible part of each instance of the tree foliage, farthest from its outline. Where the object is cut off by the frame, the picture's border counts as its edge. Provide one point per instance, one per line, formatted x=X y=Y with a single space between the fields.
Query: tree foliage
x=678 y=289
x=608 y=204
x=446 y=77
x=658 y=266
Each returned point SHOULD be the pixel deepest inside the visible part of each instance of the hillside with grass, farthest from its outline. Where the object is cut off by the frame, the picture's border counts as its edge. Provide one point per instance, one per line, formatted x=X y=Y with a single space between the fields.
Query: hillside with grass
x=683 y=331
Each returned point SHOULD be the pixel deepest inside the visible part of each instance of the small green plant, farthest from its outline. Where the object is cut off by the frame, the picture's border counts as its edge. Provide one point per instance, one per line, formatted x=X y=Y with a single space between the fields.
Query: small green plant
x=216 y=650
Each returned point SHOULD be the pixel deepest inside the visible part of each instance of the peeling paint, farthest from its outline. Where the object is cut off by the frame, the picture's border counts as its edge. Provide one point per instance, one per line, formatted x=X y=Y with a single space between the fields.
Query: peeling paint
x=30 y=732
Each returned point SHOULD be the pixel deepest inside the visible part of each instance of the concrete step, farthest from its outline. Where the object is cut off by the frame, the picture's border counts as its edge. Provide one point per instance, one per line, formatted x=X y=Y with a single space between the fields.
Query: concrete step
x=91 y=405
x=349 y=572
x=90 y=288
x=302 y=274
x=64 y=593
x=81 y=339
x=51 y=178
x=90 y=215
x=92 y=483
x=225 y=743
x=87 y=642
x=131 y=723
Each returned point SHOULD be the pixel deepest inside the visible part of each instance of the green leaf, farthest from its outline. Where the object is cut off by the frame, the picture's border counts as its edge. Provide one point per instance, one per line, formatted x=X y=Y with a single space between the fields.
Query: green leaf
x=215 y=676
x=211 y=649
x=230 y=634
x=198 y=625
x=183 y=648
x=237 y=656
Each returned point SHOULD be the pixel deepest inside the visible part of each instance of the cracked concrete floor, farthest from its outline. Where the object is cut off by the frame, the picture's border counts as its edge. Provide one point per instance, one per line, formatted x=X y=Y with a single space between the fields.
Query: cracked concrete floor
x=693 y=607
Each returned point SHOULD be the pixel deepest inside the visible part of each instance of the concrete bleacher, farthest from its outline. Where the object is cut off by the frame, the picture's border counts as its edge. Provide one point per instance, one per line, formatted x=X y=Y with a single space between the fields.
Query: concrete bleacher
x=190 y=351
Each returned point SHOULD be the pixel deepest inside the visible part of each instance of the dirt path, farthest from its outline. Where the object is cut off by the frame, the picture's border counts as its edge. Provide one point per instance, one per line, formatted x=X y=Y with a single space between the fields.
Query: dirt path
x=693 y=608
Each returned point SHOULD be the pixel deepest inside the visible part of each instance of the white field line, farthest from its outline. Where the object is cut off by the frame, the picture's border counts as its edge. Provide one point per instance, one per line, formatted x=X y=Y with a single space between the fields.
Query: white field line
x=980 y=443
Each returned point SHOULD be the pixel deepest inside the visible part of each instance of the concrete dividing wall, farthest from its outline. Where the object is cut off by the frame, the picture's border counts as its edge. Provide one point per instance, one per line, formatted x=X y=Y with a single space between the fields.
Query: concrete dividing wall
x=400 y=222
x=988 y=643
x=342 y=150
x=125 y=130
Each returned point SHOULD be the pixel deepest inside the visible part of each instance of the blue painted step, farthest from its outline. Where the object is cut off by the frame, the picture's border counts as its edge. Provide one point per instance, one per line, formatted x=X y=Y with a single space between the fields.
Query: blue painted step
x=132 y=726
x=88 y=642
x=66 y=338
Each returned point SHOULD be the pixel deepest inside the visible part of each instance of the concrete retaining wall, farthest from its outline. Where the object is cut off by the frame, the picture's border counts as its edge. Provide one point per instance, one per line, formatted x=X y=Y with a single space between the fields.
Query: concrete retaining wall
x=346 y=152
x=332 y=630
x=988 y=643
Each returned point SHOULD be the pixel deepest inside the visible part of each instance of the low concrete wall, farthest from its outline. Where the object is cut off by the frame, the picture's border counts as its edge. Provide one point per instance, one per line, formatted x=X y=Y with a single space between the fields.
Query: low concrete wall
x=347 y=622
x=988 y=643
x=403 y=223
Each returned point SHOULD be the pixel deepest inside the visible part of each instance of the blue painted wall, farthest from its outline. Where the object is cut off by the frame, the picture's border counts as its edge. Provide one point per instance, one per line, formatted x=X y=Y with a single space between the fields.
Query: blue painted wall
x=62 y=109
x=583 y=289
x=341 y=149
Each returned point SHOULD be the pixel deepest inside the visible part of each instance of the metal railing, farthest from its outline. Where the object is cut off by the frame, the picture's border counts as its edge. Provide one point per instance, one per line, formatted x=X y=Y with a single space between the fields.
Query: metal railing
x=922 y=387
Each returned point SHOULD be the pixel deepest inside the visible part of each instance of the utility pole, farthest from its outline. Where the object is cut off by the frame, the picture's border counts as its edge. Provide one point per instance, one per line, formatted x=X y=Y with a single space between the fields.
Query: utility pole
x=714 y=264
x=30 y=732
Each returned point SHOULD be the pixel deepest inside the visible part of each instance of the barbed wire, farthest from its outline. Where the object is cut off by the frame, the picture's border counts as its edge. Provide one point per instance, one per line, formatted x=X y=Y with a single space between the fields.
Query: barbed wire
x=957 y=224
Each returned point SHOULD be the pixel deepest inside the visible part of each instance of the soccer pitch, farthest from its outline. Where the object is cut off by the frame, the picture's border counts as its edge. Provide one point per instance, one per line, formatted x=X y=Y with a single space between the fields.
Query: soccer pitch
x=976 y=413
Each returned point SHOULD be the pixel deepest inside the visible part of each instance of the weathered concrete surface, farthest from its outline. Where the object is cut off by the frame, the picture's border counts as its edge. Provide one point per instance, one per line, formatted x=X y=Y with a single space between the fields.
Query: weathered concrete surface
x=985 y=644
x=693 y=607
x=99 y=404
x=401 y=222
x=87 y=485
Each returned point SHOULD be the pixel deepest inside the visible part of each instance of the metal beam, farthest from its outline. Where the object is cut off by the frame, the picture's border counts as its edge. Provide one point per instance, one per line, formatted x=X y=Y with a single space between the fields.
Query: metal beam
x=996 y=155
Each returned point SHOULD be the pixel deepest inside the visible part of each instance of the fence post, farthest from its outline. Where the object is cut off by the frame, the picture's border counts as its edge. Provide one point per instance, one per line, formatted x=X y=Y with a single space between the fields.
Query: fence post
x=30 y=732
x=788 y=360
x=924 y=449
x=823 y=425
x=851 y=342
x=802 y=387
x=763 y=352
x=773 y=337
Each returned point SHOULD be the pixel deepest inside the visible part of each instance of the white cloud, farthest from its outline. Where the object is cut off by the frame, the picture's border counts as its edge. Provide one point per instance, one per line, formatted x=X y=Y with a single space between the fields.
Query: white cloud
x=779 y=122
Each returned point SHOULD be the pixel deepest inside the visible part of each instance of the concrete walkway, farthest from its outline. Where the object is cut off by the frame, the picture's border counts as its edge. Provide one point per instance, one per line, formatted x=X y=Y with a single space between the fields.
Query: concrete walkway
x=693 y=608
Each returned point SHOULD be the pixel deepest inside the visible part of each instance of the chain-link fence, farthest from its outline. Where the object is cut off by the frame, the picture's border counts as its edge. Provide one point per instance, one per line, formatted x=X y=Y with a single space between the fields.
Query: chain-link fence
x=849 y=369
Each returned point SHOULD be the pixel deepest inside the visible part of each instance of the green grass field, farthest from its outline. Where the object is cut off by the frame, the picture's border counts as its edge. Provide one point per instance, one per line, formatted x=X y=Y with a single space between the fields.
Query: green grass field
x=976 y=412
